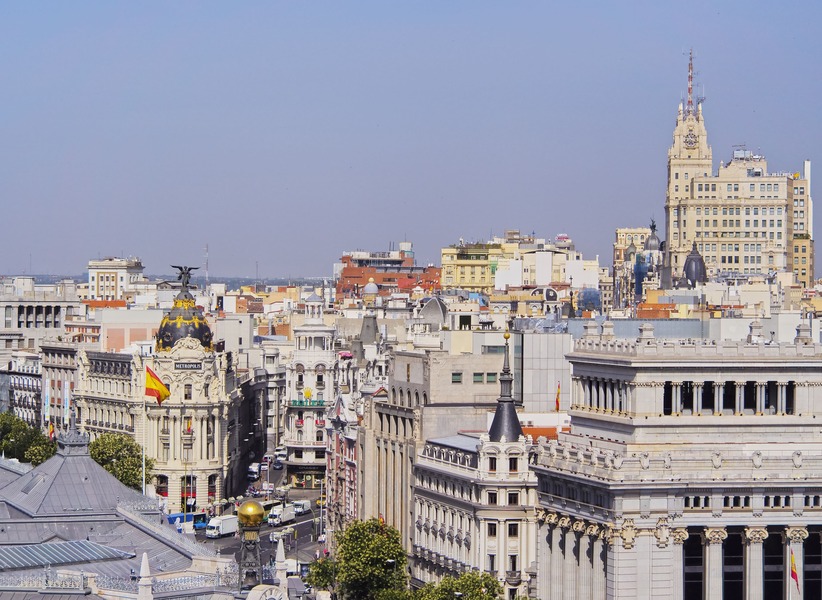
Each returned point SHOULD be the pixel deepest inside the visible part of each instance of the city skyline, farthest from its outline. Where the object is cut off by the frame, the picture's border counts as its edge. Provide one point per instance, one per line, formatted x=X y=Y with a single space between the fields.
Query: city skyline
x=283 y=134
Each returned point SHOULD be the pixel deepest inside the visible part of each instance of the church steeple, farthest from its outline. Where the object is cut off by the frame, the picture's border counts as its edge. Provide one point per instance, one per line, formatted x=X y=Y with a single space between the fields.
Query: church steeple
x=506 y=422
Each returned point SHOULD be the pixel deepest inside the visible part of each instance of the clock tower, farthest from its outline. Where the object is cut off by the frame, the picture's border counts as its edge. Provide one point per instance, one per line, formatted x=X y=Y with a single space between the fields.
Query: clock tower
x=688 y=158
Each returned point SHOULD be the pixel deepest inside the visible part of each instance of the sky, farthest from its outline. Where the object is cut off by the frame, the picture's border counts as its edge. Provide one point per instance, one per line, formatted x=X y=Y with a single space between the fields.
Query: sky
x=282 y=134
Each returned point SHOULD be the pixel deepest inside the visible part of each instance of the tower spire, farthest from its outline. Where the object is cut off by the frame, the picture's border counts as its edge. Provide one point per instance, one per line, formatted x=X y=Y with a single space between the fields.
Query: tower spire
x=690 y=107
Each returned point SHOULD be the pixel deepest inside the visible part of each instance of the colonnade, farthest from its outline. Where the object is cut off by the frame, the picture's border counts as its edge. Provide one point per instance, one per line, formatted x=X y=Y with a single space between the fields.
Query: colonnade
x=603 y=395
x=584 y=560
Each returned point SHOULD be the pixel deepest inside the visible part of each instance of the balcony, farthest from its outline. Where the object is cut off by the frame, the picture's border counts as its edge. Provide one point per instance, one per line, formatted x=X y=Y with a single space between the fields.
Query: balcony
x=299 y=423
x=320 y=422
x=513 y=577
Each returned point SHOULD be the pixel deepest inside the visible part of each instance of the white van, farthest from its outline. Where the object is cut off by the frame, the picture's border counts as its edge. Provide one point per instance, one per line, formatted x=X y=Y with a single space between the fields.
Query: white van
x=254 y=471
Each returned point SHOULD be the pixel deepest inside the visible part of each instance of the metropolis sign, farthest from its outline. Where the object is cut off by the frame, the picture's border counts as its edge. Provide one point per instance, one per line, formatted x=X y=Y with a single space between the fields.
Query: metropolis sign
x=188 y=366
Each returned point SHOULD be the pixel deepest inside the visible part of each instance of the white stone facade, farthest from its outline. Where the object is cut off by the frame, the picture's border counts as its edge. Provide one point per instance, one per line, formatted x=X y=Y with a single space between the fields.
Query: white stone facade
x=691 y=469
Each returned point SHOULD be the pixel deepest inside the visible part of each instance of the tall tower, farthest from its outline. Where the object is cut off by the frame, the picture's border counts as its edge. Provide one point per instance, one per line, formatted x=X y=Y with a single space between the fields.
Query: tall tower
x=689 y=157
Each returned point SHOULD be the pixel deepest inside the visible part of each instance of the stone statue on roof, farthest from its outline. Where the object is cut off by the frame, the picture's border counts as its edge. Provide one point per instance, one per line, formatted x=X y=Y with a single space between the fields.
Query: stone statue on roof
x=185 y=274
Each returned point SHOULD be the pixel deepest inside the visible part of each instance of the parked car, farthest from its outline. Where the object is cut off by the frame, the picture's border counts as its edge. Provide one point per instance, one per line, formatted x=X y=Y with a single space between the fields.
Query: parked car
x=277 y=466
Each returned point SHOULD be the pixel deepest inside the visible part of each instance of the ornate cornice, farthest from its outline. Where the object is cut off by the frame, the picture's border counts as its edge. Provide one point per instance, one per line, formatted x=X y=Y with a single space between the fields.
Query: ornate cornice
x=796 y=535
x=680 y=534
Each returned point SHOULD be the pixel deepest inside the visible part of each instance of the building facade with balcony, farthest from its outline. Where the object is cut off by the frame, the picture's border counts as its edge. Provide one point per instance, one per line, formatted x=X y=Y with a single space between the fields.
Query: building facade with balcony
x=25 y=382
x=195 y=436
x=691 y=470
x=310 y=391
x=473 y=503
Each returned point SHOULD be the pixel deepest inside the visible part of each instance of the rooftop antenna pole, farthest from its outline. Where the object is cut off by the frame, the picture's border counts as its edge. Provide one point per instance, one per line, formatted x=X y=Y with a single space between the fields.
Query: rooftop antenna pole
x=691 y=82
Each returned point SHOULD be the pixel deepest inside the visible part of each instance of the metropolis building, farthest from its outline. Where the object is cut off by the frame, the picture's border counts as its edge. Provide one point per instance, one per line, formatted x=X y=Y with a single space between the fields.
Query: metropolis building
x=194 y=435
x=692 y=470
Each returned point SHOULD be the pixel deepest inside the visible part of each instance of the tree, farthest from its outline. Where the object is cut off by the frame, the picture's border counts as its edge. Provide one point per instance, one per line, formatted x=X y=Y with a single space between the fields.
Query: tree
x=370 y=560
x=121 y=456
x=26 y=444
x=322 y=574
x=470 y=586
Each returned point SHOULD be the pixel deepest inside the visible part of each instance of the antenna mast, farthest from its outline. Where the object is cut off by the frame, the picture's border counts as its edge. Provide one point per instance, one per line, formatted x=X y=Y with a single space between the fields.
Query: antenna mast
x=206 y=264
x=691 y=82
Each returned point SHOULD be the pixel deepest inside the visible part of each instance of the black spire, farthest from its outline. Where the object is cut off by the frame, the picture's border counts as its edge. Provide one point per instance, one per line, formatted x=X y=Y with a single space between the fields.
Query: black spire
x=506 y=422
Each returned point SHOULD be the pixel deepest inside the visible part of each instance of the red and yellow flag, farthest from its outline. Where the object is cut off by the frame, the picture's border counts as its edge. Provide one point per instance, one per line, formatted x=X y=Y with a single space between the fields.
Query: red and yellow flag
x=155 y=387
x=794 y=574
x=557 y=396
x=51 y=431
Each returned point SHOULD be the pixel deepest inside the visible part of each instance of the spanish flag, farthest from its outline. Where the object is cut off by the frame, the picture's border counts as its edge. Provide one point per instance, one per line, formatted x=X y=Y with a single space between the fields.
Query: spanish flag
x=794 y=574
x=51 y=431
x=155 y=387
x=557 y=396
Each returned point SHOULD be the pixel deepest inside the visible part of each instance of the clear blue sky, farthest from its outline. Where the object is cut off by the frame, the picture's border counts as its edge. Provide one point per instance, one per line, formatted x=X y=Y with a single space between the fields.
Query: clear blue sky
x=283 y=133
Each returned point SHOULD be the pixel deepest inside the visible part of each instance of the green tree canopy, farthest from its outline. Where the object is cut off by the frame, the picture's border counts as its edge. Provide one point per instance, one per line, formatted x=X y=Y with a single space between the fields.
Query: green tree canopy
x=370 y=560
x=26 y=444
x=322 y=574
x=121 y=456
x=470 y=586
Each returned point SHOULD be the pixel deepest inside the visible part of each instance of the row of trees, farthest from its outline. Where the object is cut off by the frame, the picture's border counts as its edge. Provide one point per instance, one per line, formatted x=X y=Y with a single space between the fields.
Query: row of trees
x=370 y=564
x=117 y=453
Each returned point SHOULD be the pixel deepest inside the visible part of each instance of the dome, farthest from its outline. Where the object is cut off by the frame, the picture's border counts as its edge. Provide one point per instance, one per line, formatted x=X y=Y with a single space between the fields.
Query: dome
x=182 y=321
x=630 y=252
x=694 y=269
x=251 y=514
x=652 y=244
x=371 y=287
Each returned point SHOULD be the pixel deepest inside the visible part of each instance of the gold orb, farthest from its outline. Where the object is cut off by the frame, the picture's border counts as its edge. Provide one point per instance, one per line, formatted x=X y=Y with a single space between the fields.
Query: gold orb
x=251 y=513
x=506 y=335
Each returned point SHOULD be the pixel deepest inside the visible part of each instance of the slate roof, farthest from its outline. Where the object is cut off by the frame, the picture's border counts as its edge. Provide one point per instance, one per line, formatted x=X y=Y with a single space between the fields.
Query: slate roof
x=70 y=481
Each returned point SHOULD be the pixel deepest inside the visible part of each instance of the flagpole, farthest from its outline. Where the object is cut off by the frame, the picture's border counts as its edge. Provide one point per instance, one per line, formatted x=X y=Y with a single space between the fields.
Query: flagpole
x=145 y=410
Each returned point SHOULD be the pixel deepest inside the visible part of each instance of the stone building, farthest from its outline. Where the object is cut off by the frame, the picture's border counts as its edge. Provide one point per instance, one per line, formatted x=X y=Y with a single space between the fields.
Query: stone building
x=310 y=391
x=740 y=217
x=196 y=435
x=472 y=502
x=691 y=470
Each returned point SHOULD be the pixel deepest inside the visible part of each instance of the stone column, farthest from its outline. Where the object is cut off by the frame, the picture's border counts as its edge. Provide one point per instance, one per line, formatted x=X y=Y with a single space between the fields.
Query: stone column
x=739 y=390
x=760 y=398
x=794 y=539
x=698 y=398
x=712 y=539
x=780 y=398
x=584 y=571
x=556 y=559
x=679 y=535
x=676 y=397
x=569 y=563
x=753 y=561
x=718 y=398
x=598 y=558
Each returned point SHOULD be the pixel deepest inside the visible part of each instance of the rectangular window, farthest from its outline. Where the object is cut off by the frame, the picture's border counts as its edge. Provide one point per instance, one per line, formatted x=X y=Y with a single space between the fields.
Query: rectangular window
x=187 y=392
x=492 y=563
x=513 y=498
x=490 y=378
x=513 y=464
x=492 y=464
x=513 y=530
x=456 y=377
x=492 y=530
x=492 y=498
x=479 y=378
x=513 y=562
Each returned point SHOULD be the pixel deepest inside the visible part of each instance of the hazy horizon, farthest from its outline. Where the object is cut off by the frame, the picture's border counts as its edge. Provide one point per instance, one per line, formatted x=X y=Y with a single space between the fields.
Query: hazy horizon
x=283 y=134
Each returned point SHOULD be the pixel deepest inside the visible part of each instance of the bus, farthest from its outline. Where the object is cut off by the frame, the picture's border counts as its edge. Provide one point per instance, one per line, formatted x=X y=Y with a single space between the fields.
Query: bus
x=200 y=519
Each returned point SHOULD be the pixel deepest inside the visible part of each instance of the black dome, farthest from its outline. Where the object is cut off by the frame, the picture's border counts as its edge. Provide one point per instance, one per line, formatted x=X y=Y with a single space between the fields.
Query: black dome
x=183 y=320
x=694 y=270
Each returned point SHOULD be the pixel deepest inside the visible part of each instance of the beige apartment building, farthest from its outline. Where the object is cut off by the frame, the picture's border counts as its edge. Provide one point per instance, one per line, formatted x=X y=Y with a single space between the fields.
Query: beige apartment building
x=740 y=217
x=109 y=278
